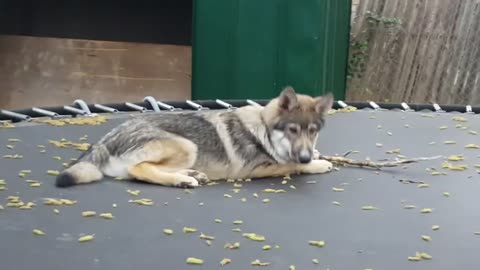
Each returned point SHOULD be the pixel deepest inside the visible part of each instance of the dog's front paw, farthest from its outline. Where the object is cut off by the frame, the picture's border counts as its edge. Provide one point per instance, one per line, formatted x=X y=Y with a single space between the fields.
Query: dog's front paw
x=201 y=177
x=316 y=154
x=317 y=166
x=184 y=181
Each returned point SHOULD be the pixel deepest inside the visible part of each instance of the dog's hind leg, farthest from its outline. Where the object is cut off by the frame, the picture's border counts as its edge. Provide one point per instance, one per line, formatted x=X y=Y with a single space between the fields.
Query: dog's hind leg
x=153 y=173
x=168 y=163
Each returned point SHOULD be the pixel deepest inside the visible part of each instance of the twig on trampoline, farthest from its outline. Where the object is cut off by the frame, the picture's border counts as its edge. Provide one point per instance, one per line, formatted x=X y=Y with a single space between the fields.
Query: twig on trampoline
x=342 y=160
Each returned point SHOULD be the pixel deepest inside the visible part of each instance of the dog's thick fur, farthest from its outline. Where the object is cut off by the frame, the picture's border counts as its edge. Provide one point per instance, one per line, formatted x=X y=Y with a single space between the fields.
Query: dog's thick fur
x=187 y=149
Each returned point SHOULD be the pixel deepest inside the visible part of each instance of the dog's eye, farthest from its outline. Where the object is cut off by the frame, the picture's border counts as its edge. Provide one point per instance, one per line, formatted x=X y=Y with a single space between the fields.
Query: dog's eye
x=293 y=129
x=312 y=129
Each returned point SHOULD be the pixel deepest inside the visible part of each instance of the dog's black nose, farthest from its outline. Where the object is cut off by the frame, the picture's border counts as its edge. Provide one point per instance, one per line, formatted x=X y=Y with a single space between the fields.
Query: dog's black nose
x=305 y=157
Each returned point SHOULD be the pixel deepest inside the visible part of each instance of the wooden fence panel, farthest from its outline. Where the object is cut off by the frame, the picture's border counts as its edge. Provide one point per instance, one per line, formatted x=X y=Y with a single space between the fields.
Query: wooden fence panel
x=429 y=53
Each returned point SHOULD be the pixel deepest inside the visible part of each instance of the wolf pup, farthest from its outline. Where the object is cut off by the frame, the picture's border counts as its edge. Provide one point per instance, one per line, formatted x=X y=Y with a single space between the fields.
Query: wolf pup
x=188 y=149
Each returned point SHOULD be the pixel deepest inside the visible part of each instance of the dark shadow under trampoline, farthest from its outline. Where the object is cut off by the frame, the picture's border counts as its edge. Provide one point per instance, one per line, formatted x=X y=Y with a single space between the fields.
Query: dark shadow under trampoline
x=354 y=238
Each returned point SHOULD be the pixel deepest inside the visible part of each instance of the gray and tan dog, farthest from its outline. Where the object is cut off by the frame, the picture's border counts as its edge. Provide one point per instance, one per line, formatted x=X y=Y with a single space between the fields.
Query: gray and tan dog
x=188 y=149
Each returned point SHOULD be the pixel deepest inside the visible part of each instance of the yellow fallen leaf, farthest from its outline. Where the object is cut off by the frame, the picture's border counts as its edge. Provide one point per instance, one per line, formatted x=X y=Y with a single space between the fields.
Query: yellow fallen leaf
x=424 y=256
x=147 y=202
x=27 y=206
x=88 y=213
x=459 y=119
x=456 y=158
x=52 y=201
x=458 y=168
x=86 y=238
x=317 y=243
x=13 y=198
x=192 y=260
x=106 y=215
x=426 y=238
x=67 y=202
x=53 y=172
x=254 y=237
x=259 y=263
x=133 y=192
x=472 y=146
x=235 y=245
x=447 y=165
x=206 y=237
x=189 y=230
x=225 y=261
x=38 y=232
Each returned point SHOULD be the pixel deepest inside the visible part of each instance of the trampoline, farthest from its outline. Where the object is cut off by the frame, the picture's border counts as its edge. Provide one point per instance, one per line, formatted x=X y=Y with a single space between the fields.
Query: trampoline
x=366 y=218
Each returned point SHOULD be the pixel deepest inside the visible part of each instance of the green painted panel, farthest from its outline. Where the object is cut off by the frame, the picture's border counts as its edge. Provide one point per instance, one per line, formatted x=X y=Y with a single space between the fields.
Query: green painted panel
x=252 y=49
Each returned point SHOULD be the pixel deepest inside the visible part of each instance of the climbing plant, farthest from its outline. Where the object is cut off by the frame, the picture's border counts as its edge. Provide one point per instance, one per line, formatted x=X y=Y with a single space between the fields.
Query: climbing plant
x=360 y=44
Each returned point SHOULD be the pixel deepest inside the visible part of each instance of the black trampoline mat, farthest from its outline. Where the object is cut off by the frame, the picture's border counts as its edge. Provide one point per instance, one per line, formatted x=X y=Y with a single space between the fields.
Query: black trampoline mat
x=354 y=238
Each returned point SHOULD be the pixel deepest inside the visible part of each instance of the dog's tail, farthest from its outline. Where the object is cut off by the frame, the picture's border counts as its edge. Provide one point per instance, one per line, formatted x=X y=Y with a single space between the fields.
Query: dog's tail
x=86 y=169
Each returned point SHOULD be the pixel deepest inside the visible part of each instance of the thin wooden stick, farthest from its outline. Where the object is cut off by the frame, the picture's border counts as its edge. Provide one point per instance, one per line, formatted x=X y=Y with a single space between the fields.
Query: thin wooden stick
x=371 y=164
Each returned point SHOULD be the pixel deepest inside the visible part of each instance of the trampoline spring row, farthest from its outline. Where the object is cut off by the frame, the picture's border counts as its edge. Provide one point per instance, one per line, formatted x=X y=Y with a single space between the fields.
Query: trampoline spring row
x=150 y=104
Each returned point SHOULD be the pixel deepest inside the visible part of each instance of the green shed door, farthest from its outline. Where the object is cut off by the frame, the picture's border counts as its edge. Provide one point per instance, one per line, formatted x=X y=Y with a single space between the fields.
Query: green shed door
x=252 y=49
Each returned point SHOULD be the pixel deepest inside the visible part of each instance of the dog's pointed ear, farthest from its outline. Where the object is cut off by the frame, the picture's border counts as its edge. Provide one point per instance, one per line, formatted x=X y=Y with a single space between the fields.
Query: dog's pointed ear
x=288 y=99
x=324 y=103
